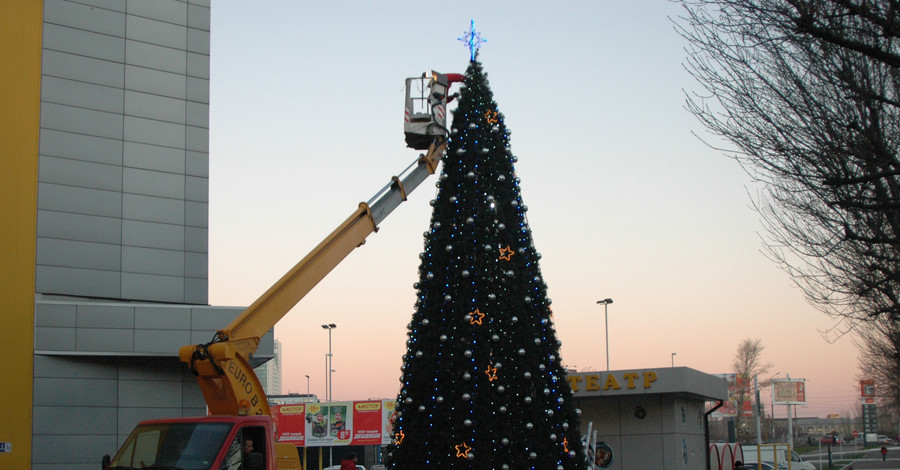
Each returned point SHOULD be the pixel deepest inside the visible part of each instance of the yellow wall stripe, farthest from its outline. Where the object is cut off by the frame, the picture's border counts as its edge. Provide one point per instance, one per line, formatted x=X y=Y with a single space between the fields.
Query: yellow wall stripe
x=20 y=80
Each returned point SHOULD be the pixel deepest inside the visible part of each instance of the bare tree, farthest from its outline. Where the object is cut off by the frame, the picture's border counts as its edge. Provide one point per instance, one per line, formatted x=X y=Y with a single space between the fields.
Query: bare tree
x=807 y=93
x=879 y=360
x=747 y=365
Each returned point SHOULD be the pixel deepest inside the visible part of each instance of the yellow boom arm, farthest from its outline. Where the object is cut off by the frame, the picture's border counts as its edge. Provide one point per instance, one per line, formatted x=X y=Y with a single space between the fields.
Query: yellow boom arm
x=222 y=366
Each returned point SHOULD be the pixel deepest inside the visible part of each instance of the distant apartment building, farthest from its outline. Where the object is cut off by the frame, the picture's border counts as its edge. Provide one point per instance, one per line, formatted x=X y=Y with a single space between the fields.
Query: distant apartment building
x=270 y=373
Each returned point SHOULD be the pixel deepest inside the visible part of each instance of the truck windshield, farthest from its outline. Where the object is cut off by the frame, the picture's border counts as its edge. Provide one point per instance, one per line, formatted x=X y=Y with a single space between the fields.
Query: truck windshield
x=172 y=446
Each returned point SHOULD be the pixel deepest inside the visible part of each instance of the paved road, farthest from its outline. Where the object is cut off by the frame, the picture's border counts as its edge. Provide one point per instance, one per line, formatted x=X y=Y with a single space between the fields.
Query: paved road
x=871 y=459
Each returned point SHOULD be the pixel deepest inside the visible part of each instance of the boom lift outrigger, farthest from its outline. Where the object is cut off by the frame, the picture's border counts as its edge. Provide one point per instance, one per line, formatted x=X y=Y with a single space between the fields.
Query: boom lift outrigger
x=222 y=366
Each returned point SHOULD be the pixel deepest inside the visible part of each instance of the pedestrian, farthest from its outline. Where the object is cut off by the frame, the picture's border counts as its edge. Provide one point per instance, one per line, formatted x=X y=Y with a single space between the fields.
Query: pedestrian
x=349 y=462
x=883 y=453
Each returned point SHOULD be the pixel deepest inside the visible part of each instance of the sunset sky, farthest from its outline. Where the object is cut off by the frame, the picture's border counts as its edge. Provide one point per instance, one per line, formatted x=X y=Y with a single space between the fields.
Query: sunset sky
x=625 y=200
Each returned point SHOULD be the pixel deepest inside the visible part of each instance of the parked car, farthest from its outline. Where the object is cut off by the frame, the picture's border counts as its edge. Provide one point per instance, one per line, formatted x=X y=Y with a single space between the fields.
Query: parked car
x=830 y=439
x=884 y=440
x=338 y=467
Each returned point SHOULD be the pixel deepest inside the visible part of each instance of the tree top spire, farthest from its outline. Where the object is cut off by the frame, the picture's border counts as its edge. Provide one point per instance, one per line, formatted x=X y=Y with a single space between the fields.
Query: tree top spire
x=473 y=40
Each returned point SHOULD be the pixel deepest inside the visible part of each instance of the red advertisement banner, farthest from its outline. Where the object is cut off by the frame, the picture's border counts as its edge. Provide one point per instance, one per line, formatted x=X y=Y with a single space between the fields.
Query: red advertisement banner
x=334 y=424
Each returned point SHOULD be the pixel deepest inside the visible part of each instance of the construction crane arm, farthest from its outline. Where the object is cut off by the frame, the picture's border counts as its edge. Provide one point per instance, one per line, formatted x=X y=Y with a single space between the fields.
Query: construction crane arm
x=223 y=367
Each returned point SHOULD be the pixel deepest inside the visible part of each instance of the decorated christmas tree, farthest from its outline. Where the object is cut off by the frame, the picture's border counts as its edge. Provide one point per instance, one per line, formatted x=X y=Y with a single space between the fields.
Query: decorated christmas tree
x=483 y=386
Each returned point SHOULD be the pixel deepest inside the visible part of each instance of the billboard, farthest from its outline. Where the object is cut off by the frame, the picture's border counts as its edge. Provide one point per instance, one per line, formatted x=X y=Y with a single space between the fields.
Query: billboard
x=789 y=392
x=737 y=386
x=345 y=423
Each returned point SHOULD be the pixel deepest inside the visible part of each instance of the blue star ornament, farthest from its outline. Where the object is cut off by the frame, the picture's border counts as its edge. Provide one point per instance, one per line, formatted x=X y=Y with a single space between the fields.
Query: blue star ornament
x=472 y=39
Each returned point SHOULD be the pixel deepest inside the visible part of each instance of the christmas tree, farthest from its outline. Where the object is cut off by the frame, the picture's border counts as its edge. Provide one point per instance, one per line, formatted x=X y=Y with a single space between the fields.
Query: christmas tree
x=483 y=386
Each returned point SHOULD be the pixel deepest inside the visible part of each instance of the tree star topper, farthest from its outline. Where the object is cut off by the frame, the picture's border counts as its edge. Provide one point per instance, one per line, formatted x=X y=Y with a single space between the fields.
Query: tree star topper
x=472 y=39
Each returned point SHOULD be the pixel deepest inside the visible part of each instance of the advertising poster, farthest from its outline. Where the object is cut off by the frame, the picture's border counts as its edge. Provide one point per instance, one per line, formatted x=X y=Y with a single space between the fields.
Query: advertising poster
x=335 y=424
x=289 y=423
x=789 y=392
x=736 y=385
x=388 y=416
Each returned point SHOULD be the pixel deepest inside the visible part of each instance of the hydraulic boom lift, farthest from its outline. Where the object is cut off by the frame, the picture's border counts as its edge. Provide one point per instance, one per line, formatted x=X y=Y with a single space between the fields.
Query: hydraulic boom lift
x=237 y=405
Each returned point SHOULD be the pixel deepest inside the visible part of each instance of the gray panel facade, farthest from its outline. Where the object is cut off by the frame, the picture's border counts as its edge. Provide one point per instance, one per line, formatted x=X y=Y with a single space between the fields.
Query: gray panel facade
x=122 y=223
x=124 y=150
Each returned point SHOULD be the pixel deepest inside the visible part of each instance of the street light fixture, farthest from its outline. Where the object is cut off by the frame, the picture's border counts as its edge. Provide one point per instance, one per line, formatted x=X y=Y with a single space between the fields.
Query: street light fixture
x=673 y=359
x=328 y=362
x=328 y=371
x=307 y=388
x=606 y=303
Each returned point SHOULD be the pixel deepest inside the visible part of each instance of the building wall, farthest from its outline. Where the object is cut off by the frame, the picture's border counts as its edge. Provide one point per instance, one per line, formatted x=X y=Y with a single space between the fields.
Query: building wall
x=660 y=439
x=116 y=280
x=123 y=182
x=20 y=48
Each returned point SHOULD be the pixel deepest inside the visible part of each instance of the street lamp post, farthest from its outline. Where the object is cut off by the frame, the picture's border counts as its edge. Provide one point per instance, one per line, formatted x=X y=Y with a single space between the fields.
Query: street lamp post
x=771 y=379
x=673 y=359
x=328 y=362
x=307 y=388
x=328 y=371
x=606 y=303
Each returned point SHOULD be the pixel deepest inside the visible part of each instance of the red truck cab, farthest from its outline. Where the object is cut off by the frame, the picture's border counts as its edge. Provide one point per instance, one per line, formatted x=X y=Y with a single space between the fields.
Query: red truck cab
x=205 y=443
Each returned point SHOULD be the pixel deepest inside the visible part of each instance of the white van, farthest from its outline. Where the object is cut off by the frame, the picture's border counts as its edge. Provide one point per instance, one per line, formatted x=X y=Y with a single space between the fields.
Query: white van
x=769 y=452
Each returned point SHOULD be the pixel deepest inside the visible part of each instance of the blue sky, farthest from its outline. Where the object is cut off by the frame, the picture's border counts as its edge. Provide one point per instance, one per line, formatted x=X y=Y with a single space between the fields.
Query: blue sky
x=306 y=103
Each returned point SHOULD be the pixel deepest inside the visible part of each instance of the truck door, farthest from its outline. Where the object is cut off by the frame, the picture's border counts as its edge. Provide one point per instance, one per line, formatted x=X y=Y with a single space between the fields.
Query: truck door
x=248 y=450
